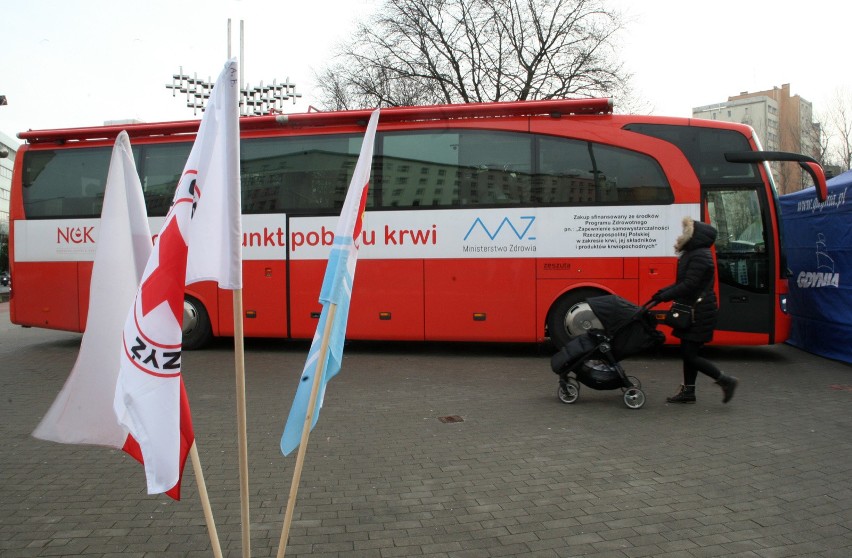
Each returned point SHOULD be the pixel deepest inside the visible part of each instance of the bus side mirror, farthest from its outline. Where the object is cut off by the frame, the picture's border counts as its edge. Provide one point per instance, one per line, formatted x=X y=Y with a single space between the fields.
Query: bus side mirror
x=818 y=176
x=811 y=166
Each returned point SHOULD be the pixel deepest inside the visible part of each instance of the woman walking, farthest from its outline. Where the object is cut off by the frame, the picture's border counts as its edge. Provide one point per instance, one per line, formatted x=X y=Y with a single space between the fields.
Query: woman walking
x=696 y=274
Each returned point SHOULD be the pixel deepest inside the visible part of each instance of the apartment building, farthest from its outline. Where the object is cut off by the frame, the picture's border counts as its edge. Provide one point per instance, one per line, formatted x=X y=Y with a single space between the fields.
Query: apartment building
x=782 y=122
x=8 y=149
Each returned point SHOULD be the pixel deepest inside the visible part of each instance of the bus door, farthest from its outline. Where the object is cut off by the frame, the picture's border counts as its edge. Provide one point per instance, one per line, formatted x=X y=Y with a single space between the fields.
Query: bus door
x=745 y=264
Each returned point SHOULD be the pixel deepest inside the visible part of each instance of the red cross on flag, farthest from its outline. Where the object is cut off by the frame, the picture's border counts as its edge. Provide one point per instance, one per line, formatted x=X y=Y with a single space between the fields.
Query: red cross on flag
x=200 y=240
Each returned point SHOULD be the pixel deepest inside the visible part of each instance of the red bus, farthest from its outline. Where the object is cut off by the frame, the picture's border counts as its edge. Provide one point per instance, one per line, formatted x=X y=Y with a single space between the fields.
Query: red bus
x=485 y=222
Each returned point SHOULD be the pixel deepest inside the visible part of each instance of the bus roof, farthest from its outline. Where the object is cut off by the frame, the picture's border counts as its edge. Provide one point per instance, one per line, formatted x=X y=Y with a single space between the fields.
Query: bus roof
x=556 y=107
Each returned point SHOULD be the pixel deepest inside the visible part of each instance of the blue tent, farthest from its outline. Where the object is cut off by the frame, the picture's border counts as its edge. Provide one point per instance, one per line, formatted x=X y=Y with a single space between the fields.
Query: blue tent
x=818 y=241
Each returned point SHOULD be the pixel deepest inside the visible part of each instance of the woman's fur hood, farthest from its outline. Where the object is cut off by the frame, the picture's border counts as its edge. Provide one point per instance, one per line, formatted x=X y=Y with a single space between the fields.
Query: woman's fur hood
x=695 y=235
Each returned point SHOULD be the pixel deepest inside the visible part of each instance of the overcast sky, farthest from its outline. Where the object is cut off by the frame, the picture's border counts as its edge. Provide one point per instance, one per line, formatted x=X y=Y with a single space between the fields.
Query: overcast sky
x=69 y=63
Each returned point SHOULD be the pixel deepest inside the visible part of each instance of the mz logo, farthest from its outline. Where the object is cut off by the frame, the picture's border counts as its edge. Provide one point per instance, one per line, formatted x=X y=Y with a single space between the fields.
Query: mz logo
x=520 y=231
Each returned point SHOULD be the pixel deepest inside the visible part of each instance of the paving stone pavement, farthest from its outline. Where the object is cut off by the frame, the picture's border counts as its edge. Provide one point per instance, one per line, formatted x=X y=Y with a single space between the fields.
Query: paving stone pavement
x=521 y=474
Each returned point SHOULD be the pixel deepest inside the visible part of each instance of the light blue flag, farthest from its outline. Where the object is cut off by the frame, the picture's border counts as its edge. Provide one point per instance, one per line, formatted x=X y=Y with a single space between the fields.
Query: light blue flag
x=336 y=290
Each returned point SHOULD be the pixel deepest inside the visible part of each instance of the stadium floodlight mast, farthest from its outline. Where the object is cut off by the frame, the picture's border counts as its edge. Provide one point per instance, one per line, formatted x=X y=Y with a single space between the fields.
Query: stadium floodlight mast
x=258 y=100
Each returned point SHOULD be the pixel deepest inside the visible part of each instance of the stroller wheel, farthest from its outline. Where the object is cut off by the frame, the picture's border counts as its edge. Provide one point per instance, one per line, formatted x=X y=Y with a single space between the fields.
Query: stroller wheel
x=569 y=391
x=634 y=398
x=634 y=381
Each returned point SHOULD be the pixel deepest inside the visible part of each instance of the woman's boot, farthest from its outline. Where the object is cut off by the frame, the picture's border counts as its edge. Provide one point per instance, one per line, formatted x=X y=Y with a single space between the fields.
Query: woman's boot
x=685 y=395
x=728 y=385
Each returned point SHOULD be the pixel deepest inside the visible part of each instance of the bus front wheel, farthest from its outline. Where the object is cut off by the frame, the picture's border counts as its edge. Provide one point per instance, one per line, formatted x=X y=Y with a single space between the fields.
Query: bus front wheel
x=570 y=315
x=196 y=324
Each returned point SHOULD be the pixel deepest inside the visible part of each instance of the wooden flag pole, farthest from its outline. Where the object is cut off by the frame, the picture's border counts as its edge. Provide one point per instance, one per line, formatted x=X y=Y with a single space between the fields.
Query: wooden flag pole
x=239 y=361
x=205 y=501
x=306 y=431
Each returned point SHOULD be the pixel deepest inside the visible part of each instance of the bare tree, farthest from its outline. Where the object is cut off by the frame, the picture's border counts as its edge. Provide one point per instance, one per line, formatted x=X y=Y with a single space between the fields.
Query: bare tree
x=794 y=135
x=820 y=139
x=837 y=122
x=461 y=51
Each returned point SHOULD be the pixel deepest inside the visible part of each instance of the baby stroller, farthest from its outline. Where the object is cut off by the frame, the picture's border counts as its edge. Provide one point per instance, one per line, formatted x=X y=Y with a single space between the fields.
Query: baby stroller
x=619 y=329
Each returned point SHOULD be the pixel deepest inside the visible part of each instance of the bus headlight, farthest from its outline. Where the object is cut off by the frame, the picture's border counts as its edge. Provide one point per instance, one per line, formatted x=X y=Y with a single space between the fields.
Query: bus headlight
x=783 y=301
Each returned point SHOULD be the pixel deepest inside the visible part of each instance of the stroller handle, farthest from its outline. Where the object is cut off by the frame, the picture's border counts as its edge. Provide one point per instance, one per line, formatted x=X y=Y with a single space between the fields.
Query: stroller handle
x=650 y=304
x=659 y=315
x=644 y=308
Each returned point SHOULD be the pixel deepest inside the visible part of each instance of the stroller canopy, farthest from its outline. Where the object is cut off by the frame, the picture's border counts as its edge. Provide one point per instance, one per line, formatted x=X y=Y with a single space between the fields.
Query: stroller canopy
x=631 y=327
x=613 y=311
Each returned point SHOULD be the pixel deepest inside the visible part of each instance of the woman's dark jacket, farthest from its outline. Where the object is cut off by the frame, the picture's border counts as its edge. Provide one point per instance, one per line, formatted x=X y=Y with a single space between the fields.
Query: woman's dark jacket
x=696 y=273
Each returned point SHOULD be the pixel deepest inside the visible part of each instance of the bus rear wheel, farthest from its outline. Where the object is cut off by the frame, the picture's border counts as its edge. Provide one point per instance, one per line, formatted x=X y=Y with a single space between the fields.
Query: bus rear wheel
x=196 y=324
x=569 y=317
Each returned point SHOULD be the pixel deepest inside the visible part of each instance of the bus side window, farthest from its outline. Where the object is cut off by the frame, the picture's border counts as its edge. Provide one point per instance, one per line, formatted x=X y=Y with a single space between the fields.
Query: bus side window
x=160 y=169
x=308 y=173
x=65 y=183
x=577 y=172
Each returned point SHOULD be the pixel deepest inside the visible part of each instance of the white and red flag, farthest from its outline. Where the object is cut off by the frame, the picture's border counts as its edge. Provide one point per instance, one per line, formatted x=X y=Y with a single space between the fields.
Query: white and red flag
x=199 y=240
x=82 y=413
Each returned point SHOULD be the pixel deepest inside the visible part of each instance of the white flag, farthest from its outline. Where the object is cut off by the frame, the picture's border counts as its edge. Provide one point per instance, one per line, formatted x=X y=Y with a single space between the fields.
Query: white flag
x=199 y=240
x=215 y=236
x=82 y=412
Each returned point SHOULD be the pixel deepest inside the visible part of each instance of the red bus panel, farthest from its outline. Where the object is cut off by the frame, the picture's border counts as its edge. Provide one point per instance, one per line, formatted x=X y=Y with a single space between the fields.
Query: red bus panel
x=480 y=300
x=387 y=301
x=58 y=307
